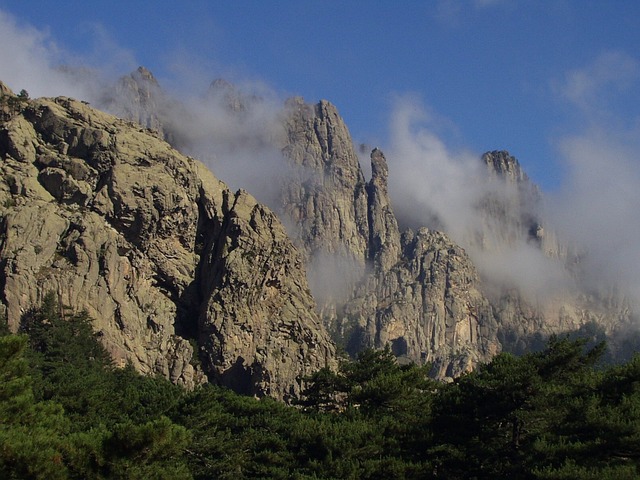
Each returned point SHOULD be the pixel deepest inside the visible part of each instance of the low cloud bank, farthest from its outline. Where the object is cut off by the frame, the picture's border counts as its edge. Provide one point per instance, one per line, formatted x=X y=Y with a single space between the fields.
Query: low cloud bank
x=453 y=191
x=599 y=208
x=231 y=130
x=595 y=212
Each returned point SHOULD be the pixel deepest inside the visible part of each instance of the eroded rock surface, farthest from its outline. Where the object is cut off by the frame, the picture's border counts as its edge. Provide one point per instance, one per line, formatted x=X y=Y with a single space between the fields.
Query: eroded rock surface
x=420 y=292
x=157 y=250
x=417 y=292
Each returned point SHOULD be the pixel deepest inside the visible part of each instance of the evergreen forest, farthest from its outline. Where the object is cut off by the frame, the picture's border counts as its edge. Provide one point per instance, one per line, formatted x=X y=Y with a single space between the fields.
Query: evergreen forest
x=66 y=412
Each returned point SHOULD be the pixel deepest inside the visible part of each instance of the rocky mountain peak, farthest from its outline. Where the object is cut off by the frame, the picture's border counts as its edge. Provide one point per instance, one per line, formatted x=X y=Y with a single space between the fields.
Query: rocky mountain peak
x=384 y=236
x=325 y=197
x=379 y=168
x=504 y=165
x=167 y=257
x=138 y=97
x=144 y=76
x=418 y=294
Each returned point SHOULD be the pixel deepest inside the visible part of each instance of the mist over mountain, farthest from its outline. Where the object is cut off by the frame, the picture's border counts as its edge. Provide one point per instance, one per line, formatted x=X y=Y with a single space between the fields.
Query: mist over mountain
x=447 y=256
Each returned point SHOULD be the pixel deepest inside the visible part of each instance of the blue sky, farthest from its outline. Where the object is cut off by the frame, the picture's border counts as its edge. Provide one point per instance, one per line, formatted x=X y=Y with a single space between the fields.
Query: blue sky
x=492 y=74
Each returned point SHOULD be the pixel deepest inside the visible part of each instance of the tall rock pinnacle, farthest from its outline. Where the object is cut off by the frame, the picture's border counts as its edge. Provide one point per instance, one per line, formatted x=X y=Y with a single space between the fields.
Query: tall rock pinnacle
x=418 y=294
x=325 y=199
x=384 y=236
x=501 y=163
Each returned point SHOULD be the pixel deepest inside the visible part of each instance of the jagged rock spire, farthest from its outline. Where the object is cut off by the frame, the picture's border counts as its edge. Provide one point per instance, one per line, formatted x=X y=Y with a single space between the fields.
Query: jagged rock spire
x=384 y=236
x=501 y=163
x=143 y=75
x=325 y=197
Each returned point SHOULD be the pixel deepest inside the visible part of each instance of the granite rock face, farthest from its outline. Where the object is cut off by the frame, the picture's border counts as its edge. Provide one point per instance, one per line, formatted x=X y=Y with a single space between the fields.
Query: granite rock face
x=421 y=292
x=417 y=292
x=428 y=307
x=157 y=250
x=325 y=199
x=221 y=267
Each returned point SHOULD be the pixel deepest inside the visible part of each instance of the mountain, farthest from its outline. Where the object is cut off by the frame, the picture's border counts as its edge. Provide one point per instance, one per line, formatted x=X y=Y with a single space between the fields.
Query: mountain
x=417 y=292
x=158 y=251
x=354 y=247
x=166 y=257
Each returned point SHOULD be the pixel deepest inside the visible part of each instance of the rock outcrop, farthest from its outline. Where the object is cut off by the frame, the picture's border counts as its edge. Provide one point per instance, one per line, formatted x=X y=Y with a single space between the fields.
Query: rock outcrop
x=420 y=292
x=417 y=292
x=157 y=250
x=325 y=198
x=140 y=98
x=222 y=270
x=428 y=307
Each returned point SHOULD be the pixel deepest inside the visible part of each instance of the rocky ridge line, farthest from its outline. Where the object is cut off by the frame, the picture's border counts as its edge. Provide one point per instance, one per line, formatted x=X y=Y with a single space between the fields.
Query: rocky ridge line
x=366 y=274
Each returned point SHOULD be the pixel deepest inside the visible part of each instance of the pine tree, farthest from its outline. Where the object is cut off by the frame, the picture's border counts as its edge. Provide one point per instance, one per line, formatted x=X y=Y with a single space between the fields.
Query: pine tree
x=32 y=433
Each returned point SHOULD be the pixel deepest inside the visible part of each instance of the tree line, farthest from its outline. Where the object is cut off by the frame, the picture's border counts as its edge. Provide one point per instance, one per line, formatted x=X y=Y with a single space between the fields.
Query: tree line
x=67 y=412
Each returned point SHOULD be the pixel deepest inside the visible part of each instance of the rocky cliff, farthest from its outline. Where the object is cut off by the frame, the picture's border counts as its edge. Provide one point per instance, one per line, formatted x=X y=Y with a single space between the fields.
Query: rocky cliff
x=166 y=258
x=417 y=292
x=513 y=222
x=421 y=292
x=162 y=254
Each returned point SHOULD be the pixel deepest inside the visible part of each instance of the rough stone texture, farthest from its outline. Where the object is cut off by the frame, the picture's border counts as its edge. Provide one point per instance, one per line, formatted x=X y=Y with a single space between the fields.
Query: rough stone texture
x=155 y=248
x=514 y=214
x=384 y=236
x=389 y=292
x=258 y=328
x=4 y=90
x=325 y=200
x=501 y=164
x=427 y=307
x=418 y=294
x=421 y=293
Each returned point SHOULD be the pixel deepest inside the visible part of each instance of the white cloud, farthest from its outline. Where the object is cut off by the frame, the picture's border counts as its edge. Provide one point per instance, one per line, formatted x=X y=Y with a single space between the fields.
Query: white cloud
x=432 y=186
x=242 y=148
x=599 y=207
x=30 y=59
x=429 y=184
x=333 y=276
x=588 y=88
